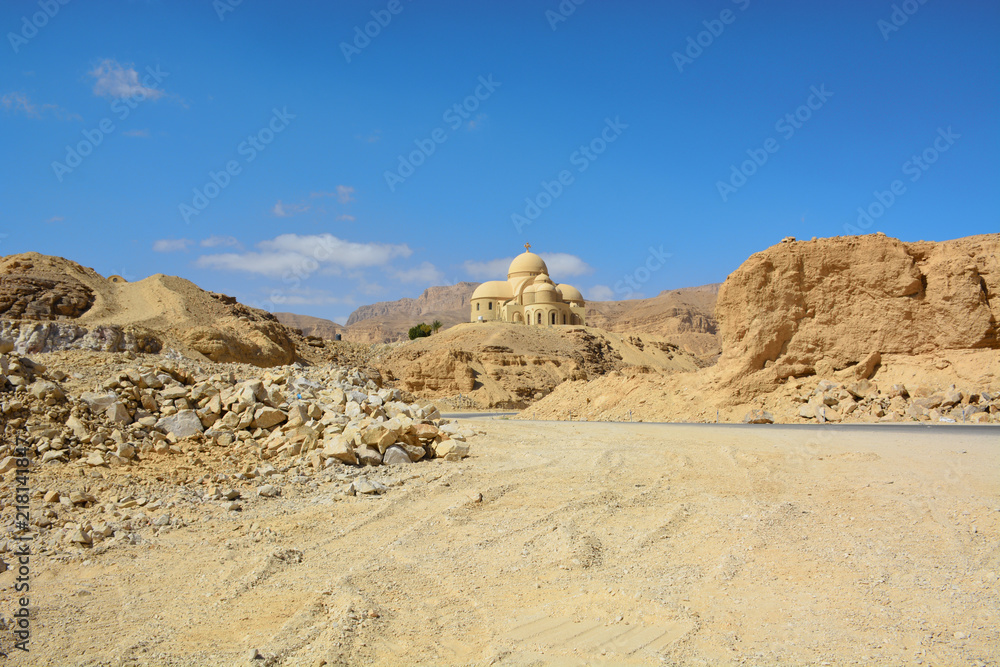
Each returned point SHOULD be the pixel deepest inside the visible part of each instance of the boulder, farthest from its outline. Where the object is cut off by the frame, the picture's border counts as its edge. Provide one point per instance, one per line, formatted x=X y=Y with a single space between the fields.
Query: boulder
x=266 y=417
x=118 y=413
x=98 y=402
x=758 y=417
x=451 y=450
x=368 y=456
x=337 y=447
x=396 y=455
x=184 y=424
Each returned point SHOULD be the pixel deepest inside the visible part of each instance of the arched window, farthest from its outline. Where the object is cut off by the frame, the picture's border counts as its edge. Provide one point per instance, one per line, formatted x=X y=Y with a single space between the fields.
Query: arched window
x=477 y=306
x=564 y=318
x=491 y=305
x=553 y=319
x=539 y=317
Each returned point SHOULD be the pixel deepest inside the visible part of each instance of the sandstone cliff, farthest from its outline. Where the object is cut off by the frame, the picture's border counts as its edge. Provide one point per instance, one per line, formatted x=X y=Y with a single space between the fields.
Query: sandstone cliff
x=817 y=307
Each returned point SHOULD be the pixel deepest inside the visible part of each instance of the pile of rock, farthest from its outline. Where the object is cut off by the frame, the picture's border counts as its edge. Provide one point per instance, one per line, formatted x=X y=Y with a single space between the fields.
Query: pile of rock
x=320 y=415
x=864 y=401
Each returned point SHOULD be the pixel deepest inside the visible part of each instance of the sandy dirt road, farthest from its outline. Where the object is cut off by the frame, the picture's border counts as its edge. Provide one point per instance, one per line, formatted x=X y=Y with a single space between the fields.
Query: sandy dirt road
x=617 y=544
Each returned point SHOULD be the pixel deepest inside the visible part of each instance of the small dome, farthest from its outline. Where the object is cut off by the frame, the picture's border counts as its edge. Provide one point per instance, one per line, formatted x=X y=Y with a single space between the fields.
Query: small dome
x=493 y=289
x=543 y=279
x=546 y=294
x=527 y=262
x=569 y=293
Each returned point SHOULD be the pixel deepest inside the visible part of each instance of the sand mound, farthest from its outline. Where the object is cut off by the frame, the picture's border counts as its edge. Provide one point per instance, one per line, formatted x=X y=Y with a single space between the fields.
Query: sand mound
x=174 y=310
x=496 y=364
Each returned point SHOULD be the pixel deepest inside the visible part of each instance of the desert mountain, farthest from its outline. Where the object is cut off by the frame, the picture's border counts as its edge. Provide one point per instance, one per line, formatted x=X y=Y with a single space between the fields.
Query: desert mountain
x=388 y=321
x=685 y=317
x=311 y=326
x=51 y=303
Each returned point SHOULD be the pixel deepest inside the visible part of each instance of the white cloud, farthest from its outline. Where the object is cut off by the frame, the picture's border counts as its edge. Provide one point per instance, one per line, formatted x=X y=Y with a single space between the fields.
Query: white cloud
x=217 y=241
x=136 y=133
x=559 y=264
x=600 y=293
x=343 y=194
x=56 y=218
x=348 y=218
x=117 y=82
x=494 y=269
x=20 y=102
x=304 y=255
x=283 y=210
x=426 y=273
x=305 y=296
x=171 y=245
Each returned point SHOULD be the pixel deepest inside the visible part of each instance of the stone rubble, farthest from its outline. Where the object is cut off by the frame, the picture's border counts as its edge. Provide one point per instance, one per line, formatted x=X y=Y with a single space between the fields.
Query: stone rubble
x=865 y=401
x=288 y=427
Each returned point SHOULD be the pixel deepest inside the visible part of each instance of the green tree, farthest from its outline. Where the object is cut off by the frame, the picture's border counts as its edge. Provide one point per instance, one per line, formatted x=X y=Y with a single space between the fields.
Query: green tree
x=420 y=331
x=436 y=325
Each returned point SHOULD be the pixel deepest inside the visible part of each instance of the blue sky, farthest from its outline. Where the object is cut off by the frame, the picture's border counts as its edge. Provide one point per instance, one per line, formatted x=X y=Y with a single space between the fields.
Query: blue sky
x=275 y=152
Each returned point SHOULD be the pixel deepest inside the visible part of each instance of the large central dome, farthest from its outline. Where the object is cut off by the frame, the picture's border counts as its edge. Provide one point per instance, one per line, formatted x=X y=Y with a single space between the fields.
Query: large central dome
x=527 y=262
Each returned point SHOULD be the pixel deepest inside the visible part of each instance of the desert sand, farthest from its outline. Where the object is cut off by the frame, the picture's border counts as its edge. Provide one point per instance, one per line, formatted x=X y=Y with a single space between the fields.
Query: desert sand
x=569 y=544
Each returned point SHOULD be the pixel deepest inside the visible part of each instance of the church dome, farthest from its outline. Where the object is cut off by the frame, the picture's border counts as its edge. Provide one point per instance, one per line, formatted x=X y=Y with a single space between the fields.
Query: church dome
x=493 y=289
x=527 y=262
x=543 y=279
x=545 y=293
x=569 y=293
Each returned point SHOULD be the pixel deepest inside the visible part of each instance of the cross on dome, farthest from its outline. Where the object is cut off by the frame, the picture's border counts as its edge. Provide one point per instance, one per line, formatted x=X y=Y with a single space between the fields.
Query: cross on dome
x=527 y=247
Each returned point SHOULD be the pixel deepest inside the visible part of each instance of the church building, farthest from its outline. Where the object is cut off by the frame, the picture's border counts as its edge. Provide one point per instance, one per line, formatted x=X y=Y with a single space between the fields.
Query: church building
x=528 y=296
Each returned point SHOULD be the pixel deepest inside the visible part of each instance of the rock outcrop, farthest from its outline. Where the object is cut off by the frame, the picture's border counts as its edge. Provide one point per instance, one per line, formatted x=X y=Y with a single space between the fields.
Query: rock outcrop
x=823 y=306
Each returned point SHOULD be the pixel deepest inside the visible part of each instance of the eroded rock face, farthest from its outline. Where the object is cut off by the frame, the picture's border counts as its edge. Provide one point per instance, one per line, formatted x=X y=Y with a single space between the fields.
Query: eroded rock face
x=803 y=308
x=36 y=298
x=33 y=337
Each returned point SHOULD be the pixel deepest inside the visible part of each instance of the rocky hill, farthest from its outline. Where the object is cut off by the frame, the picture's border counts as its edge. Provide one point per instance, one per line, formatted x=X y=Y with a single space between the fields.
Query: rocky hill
x=500 y=365
x=50 y=303
x=388 y=321
x=433 y=300
x=802 y=323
